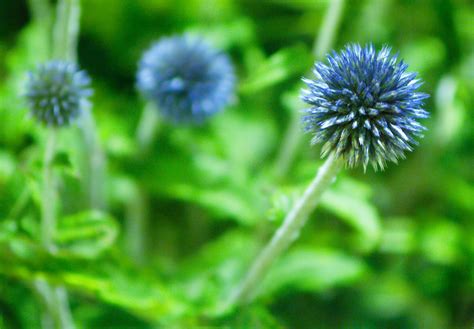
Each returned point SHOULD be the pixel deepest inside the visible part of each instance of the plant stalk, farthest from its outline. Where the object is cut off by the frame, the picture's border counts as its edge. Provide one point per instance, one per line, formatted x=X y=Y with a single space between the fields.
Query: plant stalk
x=322 y=44
x=48 y=197
x=147 y=127
x=55 y=297
x=289 y=231
x=328 y=30
x=66 y=30
x=65 y=34
x=95 y=162
x=137 y=222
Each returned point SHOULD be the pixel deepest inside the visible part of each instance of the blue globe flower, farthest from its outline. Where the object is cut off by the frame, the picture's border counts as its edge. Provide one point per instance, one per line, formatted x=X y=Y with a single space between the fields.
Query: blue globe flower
x=187 y=79
x=364 y=106
x=56 y=92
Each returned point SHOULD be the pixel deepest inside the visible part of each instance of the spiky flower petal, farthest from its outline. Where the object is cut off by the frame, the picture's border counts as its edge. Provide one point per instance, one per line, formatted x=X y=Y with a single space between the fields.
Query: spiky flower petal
x=364 y=106
x=56 y=92
x=186 y=78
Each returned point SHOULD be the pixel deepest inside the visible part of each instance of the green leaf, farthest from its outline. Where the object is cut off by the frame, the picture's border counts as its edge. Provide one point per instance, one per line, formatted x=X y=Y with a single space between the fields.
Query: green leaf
x=87 y=234
x=209 y=277
x=314 y=270
x=284 y=64
x=357 y=212
x=107 y=279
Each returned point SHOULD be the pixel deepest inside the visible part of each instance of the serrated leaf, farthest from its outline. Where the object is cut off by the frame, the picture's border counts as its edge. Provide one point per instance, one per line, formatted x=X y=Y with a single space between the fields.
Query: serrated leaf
x=107 y=279
x=277 y=68
x=312 y=270
x=87 y=234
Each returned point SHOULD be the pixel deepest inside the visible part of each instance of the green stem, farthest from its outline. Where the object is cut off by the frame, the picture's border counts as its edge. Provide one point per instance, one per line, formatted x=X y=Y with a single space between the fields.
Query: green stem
x=40 y=9
x=66 y=30
x=48 y=202
x=137 y=226
x=289 y=147
x=66 y=34
x=95 y=162
x=48 y=224
x=137 y=207
x=55 y=298
x=328 y=30
x=289 y=231
x=322 y=44
x=147 y=127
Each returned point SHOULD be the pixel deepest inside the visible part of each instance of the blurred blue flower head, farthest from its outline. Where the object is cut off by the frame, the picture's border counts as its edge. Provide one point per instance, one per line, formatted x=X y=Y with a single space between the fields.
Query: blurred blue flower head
x=364 y=106
x=186 y=78
x=56 y=92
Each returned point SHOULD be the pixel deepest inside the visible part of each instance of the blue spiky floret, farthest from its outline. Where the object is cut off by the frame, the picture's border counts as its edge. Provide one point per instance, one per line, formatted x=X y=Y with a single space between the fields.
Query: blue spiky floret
x=186 y=79
x=56 y=92
x=364 y=106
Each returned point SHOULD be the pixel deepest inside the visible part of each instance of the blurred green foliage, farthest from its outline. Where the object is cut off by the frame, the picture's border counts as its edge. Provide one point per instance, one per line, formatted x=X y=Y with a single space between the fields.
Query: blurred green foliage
x=392 y=249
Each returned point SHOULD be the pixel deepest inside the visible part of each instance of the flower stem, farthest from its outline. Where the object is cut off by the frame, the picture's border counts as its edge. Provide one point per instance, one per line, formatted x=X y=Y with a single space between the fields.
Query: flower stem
x=55 y=297
x=322 y=43
x=147 y=127
x=137 y=226
x=48 y=202
x=65 y=33
x=137 y=222
x=328 y=30
x=66 y=30
x=289 y=231
x=95 y=163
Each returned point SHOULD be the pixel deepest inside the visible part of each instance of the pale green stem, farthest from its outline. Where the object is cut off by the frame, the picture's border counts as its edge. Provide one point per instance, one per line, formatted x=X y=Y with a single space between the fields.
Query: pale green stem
x=64 y=47
x=95 y=159
x=289 y=147
x=66 y=30
x=147 y=126
x=328 y=30
x=136 y=226
x=137 y=214
x=40 y=9
x=41 y=13
x=66 y=34
x=48 y=226
x=322 y=44
x=288 y=232
x=48 y=197
x=55 y=298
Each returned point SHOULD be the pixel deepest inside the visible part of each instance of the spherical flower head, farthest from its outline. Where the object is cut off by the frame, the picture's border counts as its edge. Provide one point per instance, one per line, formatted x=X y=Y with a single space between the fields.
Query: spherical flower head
x=186 y=79
x=364 y=106
x=56 y=92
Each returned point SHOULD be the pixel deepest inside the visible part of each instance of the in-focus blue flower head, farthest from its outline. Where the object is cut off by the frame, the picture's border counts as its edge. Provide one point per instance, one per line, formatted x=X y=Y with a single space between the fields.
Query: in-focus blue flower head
x=186 y=78
x=57 y=92
x=364 y=106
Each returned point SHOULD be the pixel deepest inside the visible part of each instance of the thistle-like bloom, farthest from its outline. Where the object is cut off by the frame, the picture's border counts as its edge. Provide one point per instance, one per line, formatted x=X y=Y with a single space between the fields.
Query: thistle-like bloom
x=364 y=106
x=57 y=92
x=186 y=79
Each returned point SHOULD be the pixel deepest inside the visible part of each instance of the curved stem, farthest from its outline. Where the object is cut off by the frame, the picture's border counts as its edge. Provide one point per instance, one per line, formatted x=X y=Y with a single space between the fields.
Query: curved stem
x=322 y=44
x=289 y=230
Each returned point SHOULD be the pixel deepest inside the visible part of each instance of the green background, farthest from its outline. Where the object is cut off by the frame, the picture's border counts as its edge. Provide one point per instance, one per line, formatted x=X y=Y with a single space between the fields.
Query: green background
x=391 y=249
